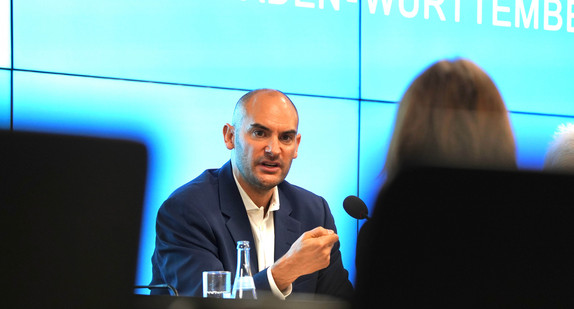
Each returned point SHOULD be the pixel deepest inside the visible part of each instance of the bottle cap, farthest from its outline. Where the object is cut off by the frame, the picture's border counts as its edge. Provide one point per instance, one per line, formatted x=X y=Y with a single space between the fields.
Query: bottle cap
x=243 y=244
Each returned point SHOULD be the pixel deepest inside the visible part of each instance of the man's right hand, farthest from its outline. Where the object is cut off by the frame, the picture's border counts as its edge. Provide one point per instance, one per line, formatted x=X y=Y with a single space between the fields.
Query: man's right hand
x=310 y=253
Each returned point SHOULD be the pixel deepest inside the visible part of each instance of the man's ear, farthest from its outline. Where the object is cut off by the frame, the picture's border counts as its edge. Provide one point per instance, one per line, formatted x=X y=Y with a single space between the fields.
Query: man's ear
x=229 y=136
x=298 y=141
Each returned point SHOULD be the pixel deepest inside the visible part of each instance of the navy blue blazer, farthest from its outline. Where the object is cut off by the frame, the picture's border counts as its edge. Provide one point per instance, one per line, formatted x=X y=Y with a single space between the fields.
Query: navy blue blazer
x=198 y=227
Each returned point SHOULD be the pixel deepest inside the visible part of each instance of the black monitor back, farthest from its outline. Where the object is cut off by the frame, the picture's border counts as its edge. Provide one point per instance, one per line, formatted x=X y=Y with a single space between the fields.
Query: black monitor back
x=70 y=215
x=467 y=238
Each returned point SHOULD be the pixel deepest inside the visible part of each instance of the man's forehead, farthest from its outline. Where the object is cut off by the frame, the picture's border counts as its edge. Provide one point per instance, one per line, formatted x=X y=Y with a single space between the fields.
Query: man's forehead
x=267 y=107
x=276 y=110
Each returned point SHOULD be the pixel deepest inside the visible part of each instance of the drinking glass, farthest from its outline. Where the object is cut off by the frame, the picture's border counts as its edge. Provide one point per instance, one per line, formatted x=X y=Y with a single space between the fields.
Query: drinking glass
x=217 y=284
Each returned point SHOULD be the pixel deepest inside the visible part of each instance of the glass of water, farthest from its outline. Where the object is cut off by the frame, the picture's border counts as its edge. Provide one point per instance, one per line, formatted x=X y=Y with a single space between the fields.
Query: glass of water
x=217 y=284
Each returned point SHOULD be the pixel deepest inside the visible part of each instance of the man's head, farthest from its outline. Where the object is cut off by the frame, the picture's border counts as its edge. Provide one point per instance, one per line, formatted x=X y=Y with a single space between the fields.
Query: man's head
x=263 y=139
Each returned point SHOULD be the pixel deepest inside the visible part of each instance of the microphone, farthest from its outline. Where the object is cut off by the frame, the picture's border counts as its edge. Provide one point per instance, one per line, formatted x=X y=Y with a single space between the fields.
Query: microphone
x=356 y=208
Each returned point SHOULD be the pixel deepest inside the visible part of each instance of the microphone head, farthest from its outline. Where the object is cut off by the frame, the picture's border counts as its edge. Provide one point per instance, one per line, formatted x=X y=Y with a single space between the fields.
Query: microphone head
x=355 y=207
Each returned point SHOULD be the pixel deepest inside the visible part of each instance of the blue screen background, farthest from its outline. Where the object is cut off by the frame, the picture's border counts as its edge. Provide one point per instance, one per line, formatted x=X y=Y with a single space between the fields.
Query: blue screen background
x=168 y=74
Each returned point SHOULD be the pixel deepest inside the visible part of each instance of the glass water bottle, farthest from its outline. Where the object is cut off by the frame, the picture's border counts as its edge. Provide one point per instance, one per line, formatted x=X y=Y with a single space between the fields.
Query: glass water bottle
x=243 y=285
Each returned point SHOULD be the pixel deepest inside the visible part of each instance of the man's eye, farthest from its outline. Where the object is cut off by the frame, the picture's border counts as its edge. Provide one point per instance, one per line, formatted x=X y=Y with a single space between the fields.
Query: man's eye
x=258 y=133
x=286 y=138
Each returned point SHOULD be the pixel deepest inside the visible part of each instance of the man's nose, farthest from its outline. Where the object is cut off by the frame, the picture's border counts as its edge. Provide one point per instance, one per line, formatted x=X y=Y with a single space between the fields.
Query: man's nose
x=272 y=148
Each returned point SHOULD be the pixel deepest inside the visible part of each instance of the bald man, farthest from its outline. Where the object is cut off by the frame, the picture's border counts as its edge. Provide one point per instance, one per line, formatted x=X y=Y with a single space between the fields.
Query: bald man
x=291 y=229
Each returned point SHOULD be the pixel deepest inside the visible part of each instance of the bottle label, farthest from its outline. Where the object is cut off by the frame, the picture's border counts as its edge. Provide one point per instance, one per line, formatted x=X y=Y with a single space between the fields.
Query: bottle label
x=245 y=283
x=244 y=288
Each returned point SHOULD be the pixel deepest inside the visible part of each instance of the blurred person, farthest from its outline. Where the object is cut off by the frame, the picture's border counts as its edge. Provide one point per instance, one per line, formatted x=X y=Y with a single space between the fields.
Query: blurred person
x=452 y=115
x=291 y=229
x=560 y=153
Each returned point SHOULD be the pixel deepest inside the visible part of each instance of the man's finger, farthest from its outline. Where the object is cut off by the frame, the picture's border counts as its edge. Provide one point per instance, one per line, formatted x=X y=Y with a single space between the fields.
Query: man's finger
x=331 y=238
x=319 y=231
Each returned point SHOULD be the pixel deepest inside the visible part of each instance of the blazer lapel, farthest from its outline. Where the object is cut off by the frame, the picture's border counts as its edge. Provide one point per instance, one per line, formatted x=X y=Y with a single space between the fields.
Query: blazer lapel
x=287 y=229
x=233 y=209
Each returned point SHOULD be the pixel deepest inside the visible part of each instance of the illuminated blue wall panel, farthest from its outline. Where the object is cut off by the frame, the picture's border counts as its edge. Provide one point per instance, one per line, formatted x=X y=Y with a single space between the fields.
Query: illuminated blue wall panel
x=232 y=43
x=4 y=99
x=533 y=134
x=182 y=126
x=327 y=162
x=5 y=38
x=532 y=67
x=377 y=122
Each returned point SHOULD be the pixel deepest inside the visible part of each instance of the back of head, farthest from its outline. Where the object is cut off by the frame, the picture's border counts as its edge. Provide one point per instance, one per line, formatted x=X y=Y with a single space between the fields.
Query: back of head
x=560 y=155
x=452 y=114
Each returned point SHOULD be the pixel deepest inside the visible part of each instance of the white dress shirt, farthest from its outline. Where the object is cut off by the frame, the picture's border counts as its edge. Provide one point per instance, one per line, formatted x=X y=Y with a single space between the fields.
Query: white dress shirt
x=263 y=229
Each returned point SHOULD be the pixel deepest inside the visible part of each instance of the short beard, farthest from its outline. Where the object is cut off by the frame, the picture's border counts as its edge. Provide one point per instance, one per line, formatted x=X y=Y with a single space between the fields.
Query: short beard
x=258 y=184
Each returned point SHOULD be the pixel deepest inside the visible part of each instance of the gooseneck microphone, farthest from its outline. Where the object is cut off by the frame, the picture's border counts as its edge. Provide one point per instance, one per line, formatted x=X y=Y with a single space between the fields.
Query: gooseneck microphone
x=356 y=208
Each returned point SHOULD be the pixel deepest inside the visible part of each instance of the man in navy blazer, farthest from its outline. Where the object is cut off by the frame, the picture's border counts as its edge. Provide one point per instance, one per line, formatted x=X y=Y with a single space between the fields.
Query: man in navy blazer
x=198 y=226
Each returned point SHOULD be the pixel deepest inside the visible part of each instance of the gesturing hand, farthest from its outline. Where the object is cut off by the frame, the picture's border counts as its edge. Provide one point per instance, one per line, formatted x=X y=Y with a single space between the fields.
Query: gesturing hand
x=311 y=252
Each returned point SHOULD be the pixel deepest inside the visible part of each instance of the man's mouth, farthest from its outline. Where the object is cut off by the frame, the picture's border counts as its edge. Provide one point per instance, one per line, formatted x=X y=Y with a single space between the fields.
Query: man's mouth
x=270 y=164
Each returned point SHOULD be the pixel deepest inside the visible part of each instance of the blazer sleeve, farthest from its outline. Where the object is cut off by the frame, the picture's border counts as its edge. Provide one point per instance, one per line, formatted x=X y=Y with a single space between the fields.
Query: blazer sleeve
x=192 y=238
x=334 y=280
x=185 y=247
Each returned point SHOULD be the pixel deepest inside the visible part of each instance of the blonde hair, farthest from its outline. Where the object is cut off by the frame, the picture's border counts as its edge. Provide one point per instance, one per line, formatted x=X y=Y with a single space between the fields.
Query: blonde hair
x=560 y=154
x=452 y=114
